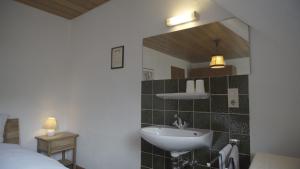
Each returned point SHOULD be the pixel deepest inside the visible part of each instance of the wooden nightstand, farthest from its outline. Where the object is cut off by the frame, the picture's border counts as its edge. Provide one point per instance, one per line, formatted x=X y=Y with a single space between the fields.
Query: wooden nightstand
x=59 y=143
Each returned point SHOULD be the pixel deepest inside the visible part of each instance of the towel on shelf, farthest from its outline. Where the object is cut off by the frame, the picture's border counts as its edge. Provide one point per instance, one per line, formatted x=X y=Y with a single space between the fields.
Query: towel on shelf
x=234 y=155
x=224 y=156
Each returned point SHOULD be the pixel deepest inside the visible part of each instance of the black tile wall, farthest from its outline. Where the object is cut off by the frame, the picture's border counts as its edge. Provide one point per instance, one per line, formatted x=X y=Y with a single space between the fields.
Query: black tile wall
x=202 y=120
x=240 y=82
x=218 y=85
x=202 y=105
x=219 y=103
x=212 y=113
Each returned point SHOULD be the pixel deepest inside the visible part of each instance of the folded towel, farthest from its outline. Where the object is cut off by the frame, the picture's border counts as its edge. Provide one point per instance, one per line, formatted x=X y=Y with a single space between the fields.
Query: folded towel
x=234 y=155
x=224 y=155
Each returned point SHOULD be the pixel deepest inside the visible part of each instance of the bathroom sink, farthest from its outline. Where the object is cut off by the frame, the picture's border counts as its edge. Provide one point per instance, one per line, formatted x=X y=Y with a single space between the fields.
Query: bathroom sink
x=177 y=141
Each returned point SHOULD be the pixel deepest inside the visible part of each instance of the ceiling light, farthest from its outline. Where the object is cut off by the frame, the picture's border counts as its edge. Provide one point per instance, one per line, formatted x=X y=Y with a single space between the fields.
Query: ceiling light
x=180 y=19
x=217 y=61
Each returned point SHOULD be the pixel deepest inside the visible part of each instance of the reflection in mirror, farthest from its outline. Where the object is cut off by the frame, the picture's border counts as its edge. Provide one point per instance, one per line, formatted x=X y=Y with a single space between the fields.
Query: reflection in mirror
x=191 y=53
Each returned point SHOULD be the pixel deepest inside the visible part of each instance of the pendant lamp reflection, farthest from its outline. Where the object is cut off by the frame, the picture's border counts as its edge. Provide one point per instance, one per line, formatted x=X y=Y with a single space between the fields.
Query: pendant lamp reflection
x=217 y=61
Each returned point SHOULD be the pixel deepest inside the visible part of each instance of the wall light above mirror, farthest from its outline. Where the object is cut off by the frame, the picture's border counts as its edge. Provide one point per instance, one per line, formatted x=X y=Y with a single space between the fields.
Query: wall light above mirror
x=181 y=19
x=188 y=53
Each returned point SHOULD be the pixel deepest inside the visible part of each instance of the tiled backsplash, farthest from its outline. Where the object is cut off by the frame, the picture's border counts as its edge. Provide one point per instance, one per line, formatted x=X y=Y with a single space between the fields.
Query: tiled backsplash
x=212 y=113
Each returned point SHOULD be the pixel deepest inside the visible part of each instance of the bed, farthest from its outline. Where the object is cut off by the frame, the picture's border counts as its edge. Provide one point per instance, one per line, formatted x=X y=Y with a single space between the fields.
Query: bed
x=272 y=161
x=13 y=156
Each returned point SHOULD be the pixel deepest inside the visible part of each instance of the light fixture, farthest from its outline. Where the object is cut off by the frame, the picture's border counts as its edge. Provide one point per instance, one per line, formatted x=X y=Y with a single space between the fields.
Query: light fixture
x=217 y=60
x=184 y=18
x=50 y=125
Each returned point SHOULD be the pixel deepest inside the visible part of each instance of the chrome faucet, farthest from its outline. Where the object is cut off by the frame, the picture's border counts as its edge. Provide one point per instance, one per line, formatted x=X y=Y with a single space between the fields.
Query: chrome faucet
x=179 y=123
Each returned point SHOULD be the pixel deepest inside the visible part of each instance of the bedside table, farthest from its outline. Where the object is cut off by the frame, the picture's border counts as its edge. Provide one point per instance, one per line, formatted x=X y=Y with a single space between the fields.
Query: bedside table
x=59 y=143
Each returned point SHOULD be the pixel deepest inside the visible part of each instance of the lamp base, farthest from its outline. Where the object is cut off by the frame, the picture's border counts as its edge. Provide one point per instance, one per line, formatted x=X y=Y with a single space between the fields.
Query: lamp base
x=51 y=133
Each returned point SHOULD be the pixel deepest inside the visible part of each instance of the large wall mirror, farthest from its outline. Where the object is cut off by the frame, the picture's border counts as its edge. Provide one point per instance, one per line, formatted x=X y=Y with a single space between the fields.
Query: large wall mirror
x=215 y=49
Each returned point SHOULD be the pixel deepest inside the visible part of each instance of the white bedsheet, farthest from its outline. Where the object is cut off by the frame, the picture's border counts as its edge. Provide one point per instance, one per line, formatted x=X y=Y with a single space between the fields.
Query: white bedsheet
x=14 y=157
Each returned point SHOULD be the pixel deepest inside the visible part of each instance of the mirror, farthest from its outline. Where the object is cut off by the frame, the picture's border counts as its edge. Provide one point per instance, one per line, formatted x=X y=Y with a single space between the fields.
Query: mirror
x=188 y=53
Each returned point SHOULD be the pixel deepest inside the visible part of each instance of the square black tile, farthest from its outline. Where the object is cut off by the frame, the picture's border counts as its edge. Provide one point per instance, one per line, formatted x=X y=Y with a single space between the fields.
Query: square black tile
x=168 y=154
x=241 y=82
x=244 y=161
x=146 y=159
x=201 y=167
x=171 y=86
x=218 y=85
x=147 y=116
x=158 y=86
x=158 y=117
x=202 y=155
x=146 y=101
x=220 y=139
x=239 y=124
x=219 y=103
x=186 y=105
x=244 y=146
x=202 y=120
x=158 y=162
x=169 y=117
x=187 y=156
x=158 y=103
x=243 y=105
x=202 y=105
x=171 y=104
x=187 y=117
x=182 y=85
x=220 y=122
x=145 y=146
x=145 y=125
x=215 y=164
x=168 y=163
x=158 y=151
x=147 y=87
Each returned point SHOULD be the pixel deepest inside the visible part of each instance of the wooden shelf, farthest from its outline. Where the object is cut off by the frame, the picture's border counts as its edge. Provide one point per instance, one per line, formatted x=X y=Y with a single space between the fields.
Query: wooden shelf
x=183 y=96
x=66 y=162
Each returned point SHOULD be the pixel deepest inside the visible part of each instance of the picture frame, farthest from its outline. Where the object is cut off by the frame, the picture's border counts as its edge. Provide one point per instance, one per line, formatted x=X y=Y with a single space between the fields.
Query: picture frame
x=117 y=57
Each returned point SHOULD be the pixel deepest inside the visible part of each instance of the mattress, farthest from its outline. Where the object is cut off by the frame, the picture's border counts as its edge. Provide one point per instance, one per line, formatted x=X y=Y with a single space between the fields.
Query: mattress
x=15 y=157
x=271 y=161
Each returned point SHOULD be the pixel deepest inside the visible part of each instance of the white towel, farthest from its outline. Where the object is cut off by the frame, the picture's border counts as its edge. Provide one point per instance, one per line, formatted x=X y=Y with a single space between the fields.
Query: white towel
x=224 y=155
x=235 y=158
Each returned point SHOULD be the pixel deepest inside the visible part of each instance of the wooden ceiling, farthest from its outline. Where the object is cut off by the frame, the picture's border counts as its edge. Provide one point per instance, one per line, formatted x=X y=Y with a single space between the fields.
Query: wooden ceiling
x=197 y=44
x=65 y=8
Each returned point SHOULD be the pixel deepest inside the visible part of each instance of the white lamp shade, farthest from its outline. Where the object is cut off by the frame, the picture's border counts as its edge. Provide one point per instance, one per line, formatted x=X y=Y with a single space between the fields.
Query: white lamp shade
x=217 y=61
x=50 y=123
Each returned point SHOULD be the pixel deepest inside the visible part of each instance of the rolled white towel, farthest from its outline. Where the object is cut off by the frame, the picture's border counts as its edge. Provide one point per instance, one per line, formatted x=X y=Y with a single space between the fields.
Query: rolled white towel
x=235 y=158
x=224 y=155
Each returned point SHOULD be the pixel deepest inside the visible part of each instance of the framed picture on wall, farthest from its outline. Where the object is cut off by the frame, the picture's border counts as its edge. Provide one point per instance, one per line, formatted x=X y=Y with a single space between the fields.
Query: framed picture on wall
x=117 y=57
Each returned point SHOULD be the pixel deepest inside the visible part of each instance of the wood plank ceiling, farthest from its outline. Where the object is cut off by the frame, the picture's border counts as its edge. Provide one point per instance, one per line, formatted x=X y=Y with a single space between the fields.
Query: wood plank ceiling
x=65 y=8
x=197 y=44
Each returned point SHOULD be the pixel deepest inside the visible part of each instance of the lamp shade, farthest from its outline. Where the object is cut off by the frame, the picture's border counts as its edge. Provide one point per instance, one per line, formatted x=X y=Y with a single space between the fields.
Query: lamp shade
x=217 y=61
x=50 y=123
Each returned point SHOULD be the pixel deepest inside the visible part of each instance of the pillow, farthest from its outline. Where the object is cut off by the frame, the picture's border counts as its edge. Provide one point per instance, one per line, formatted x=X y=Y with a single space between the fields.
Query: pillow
x=3 y=118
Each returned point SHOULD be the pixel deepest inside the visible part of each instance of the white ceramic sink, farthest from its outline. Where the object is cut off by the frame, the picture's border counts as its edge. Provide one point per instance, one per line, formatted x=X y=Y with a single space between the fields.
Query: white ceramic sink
x=177 y=141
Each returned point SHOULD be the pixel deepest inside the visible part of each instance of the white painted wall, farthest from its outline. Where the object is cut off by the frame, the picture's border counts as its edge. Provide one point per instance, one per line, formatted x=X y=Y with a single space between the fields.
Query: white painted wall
x=242 y=65
x=33 y=68
x=105 y=102
x=34 y=72
x=275 y=80
x=161 y=63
